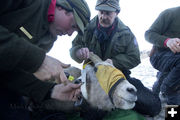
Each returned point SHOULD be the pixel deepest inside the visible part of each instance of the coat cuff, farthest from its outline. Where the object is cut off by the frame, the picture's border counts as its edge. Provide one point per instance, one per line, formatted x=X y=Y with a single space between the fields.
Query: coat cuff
x=165 y=42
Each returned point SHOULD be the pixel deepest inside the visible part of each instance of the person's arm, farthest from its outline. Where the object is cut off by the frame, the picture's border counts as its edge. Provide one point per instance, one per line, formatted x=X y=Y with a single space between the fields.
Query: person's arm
x=155 y=34
x=9 y=5
x=16 y=52
x=77 y=44
x=26 y=84
x=131 y=57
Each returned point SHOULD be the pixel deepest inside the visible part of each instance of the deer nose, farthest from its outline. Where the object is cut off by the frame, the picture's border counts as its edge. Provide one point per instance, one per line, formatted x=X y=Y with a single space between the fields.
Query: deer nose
x=132 y=91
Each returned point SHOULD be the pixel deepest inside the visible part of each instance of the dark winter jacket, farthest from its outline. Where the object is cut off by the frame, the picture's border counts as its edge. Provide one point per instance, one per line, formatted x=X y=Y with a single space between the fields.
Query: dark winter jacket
x=121 y=47
x=24 y=41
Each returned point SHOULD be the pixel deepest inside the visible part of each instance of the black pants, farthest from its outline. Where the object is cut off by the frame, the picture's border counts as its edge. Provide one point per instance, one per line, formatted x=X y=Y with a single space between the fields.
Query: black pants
x=167 y=61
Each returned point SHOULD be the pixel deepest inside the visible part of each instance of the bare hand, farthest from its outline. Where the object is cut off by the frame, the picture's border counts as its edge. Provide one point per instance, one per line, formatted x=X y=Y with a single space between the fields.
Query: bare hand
x=66 y=92
x=174 y=45
x=52 y=68
x=83 y=53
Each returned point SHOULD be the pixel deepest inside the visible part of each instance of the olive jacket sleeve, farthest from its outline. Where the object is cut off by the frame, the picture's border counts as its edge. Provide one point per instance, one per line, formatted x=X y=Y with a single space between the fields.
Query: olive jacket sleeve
x=165 y=26
x=19 y=56
x=16 y=52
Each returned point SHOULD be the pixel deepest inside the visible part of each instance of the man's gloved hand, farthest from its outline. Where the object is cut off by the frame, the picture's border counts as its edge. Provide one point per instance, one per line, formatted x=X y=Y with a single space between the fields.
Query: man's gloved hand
x=107 y=76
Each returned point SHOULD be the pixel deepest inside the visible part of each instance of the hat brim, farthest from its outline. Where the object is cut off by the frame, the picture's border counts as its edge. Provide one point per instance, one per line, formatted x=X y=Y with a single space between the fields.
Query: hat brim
x=104 y=7
x=78 y=21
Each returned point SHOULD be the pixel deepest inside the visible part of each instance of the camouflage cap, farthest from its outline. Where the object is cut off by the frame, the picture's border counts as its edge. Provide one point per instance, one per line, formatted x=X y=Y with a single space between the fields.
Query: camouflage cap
x=108 y=5
x=80 y=11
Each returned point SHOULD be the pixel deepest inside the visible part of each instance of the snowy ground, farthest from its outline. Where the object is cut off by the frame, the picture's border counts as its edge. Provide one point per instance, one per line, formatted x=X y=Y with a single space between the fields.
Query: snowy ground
x=145 y=72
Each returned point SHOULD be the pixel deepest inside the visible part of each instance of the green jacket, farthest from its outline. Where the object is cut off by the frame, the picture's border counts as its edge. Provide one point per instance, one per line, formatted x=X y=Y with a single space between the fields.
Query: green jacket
x=122 y=49
x=167 y=25
x=22 y=53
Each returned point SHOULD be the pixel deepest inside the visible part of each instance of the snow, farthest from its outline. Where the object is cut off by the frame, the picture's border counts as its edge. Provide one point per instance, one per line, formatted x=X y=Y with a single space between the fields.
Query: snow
x=145 y=72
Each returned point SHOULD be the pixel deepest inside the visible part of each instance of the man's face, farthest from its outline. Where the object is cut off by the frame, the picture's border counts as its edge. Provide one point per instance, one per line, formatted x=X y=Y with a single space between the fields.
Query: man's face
x=64 y=23
x=106 y=18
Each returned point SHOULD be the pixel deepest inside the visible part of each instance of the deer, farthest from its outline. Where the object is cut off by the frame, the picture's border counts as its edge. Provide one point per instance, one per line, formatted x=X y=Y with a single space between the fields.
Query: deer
x=123 y=94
